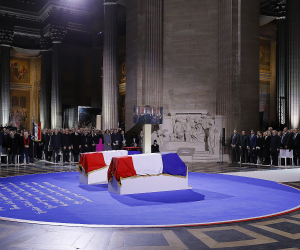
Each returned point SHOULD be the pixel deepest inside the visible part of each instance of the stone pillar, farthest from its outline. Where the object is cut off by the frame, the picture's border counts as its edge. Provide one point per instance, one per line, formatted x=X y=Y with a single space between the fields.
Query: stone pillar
x=5 y=83
x=110 y=67
x=152 y=87
x=293 y=62
x=6 y=39
x=238 y=84
x=45 y=94
x=144 y=55
x=57 y=35
x=280 y=70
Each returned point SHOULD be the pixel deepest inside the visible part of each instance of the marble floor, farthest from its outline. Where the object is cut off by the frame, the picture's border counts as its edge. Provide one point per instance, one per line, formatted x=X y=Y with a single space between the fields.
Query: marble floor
x=278 y=233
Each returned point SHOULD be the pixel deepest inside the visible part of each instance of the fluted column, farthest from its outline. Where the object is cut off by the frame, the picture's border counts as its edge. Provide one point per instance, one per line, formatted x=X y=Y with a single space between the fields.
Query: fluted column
x=45 y=94
x=238 y=84
x=57 y=34
x=6 y=39
x=110 y=67
x=293 y=62
x=281 y=70
x=152 y=87
x=5 y=83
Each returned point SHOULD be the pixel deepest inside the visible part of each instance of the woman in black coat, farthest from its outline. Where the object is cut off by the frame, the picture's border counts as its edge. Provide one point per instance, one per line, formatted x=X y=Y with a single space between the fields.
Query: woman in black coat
x=259 y=150
x=266 y=147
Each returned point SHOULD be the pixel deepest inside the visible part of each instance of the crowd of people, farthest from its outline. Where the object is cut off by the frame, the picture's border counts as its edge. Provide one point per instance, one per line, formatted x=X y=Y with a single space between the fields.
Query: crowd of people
x=264 y=146
x=55 y=143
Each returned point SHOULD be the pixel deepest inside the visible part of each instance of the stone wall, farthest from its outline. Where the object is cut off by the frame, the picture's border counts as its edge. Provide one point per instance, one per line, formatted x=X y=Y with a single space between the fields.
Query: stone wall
x=190 y=55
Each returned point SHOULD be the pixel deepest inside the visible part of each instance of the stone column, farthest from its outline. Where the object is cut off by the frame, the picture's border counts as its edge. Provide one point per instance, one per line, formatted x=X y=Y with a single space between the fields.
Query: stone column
x=6 y=39
x=57 y=35
x=238 y=84
x=110 y=67
x=293 y=62
x=5 y=83
x=45 y=94
x=281 y=70
x=152 y=87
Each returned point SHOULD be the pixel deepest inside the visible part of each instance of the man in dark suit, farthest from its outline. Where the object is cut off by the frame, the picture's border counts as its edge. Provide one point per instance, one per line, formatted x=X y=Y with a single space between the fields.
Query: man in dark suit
x=46 y=139
x=116 y=140
x=275 y=147
x=235 y=142
x=296 y=147
x=285 y=140
x=253 y=138
x=244 y=146
x=56 y=145
x=66 y=142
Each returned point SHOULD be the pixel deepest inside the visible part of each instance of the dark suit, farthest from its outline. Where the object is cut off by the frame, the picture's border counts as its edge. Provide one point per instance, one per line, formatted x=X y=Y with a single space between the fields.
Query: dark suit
x=253 y=156
x=259 y=150
x=116 y=137
x=266 y=149
x=66 y=141
x=235 y=142
x=275 y=146
x=85 y=143
x=244 y=144
x=56 y=145
x=76 y=142
x=46 y=138
x=296 y=148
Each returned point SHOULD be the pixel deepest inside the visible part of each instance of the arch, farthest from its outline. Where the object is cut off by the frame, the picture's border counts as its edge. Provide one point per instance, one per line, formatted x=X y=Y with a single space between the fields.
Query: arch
x=15 y=101
x=23 y=102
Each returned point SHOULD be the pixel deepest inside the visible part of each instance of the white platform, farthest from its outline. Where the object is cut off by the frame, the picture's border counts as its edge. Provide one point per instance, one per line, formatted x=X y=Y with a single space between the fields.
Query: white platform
x=282 y=175
x=98 y=176
x=148 y=184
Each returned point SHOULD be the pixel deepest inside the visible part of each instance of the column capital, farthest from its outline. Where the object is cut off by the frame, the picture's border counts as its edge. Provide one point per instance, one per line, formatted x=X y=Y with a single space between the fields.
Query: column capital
x=57 y=33
x=6 y=37
x=109 y=3
x=44 y=43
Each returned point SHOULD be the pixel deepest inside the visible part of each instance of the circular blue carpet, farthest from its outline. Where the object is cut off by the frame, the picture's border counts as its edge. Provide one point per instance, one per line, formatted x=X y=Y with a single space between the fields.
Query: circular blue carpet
x=215 y=198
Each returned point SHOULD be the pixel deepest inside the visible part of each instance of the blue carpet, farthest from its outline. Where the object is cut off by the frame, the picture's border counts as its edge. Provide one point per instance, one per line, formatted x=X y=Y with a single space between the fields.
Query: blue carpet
x=59 y=197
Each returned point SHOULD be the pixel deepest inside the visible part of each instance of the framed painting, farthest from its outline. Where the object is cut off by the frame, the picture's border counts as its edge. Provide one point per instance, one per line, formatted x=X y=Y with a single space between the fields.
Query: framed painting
x=19 y=71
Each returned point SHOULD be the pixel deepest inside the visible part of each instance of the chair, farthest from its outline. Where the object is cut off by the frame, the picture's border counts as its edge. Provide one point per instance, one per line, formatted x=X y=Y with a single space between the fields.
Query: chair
x=284 y=154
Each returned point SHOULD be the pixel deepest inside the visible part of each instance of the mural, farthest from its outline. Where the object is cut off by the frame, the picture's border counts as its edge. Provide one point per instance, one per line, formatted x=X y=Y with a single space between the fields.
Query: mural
x=19 y=71
x=19 y=109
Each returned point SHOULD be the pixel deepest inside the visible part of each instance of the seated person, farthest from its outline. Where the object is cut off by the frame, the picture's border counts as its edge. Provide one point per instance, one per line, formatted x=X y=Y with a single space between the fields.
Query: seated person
x=155 y=147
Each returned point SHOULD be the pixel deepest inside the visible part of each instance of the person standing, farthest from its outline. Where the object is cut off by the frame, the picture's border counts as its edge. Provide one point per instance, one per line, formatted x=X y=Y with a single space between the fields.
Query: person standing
x=116 y=140
x=266 y=148
x=24 y=145
x=107 y=140
x=12 y=147
x=94 y=141
x=66 y=142
x=56 y=145
x=235 y=142
x=85 y=142
x=253 y=139
x=244 y=146
x=259 y=141
x=2 y=137
x=296 y=147
x=275 y=147
x=46 y=139
x=76 y=144
x=123 y=139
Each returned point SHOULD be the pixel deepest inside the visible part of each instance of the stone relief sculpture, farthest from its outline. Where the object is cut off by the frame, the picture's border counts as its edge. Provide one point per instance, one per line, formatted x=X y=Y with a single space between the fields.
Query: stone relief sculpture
x=196 y=128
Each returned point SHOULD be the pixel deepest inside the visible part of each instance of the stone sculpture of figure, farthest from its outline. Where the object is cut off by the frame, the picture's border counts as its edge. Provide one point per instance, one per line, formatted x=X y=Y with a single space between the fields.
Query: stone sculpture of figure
x=154 y=136
x=188 y=128
x=199 y=132
x=213 y=136
x=160 y=136
x=178 y=130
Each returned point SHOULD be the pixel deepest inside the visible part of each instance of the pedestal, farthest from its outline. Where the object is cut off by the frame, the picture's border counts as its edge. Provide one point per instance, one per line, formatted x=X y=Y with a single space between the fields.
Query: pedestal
x=147 y=138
